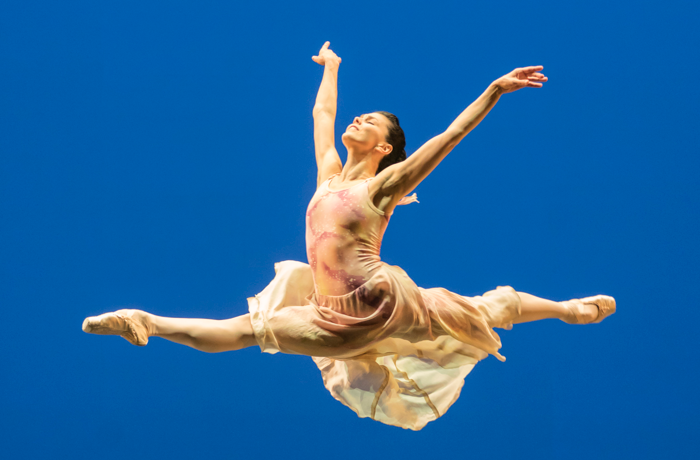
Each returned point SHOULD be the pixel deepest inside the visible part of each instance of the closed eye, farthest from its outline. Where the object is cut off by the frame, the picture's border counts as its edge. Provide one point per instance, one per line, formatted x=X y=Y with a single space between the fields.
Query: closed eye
x=367 y=119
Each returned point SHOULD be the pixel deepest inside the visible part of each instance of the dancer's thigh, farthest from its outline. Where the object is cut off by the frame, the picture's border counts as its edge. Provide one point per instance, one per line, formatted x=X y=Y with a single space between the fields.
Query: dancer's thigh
x=299 y=330
x=451 y=311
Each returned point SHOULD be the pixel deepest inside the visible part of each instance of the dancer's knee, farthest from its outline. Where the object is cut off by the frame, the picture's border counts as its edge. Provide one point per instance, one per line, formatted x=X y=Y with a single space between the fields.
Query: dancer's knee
x=292 y=334
x=216 y=336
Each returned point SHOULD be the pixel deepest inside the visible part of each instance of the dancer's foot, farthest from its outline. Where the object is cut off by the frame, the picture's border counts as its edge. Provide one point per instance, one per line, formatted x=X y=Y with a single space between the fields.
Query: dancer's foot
x=134 y=325
x=589 y=309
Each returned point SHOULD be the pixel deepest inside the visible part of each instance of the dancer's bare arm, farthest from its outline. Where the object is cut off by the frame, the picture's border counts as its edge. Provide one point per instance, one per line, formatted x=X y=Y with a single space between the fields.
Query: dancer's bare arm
x=327 y=158
x=400 y=179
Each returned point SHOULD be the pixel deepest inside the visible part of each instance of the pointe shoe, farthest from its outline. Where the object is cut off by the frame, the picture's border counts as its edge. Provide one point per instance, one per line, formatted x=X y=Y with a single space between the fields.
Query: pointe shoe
x=121 y=322
x=605 y=304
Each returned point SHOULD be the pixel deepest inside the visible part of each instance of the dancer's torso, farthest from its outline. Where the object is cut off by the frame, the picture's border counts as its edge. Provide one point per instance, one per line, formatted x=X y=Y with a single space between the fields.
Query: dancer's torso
x=344 y=233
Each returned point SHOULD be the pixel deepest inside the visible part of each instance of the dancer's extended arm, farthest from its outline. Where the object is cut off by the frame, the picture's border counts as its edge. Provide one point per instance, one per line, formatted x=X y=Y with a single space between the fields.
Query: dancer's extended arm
x=401 y=178
x=327 y=158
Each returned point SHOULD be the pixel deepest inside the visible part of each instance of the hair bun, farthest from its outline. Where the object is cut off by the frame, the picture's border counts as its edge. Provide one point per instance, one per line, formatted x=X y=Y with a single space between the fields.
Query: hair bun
x=397 y=139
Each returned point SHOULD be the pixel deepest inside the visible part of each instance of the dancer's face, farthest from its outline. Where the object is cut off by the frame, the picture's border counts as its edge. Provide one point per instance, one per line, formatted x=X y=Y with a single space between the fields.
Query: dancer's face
x=367 y=132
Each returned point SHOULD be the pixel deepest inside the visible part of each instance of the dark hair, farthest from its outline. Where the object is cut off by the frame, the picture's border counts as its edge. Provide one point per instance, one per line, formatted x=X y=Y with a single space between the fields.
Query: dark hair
x=397 y=140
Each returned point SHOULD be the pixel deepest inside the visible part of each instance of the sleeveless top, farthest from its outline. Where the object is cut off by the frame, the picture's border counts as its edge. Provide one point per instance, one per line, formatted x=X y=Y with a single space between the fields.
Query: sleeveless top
x=344 y=232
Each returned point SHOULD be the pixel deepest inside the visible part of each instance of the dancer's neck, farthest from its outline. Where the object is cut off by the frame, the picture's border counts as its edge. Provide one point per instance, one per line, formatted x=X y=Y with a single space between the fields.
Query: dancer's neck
x=358 y=169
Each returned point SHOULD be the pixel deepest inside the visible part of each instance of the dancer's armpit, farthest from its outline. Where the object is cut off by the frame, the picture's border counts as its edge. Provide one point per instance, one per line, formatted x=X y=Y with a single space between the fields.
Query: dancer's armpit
x=401 y=178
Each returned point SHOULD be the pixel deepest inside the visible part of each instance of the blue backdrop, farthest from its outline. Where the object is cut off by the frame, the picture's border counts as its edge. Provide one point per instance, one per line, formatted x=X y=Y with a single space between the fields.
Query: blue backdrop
x=159 y=155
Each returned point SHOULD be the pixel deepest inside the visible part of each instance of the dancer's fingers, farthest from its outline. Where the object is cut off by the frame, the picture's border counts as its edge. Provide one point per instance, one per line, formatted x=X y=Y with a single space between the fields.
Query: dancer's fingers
x=532 y=84
x=324 y=47
x=531 y=69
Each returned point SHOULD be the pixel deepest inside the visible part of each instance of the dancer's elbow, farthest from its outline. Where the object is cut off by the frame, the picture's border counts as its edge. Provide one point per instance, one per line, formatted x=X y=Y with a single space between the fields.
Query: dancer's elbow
x=323 y=110
x=453 y=136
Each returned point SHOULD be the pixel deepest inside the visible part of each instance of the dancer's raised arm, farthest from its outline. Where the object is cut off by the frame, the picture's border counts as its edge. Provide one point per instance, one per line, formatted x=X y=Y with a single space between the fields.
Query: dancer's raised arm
x=401 y=178
x=327 y=158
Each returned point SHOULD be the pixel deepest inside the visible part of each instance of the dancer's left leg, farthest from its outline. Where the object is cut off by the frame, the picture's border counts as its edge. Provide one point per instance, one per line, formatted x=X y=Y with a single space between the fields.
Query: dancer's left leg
x=536 y=308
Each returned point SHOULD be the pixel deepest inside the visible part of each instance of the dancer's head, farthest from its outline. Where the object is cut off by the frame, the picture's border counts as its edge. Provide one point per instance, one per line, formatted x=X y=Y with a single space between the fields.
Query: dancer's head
x=378 y=134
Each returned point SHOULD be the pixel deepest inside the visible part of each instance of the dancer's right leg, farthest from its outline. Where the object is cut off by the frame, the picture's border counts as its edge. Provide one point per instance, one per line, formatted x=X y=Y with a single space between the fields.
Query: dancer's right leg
x=209 y=335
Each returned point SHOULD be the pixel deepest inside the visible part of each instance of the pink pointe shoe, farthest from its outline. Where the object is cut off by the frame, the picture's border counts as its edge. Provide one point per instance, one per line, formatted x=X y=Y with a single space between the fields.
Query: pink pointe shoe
x=129 y=324
x=605 y=304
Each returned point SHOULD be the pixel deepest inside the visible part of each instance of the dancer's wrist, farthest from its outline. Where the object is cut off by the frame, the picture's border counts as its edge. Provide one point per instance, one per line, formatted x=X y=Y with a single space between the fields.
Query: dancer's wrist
x=332 y=64
x=496 y=88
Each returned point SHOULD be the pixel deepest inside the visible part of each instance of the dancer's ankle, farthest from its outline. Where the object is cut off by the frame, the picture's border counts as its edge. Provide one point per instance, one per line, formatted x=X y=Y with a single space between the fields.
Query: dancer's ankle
x=149 y=320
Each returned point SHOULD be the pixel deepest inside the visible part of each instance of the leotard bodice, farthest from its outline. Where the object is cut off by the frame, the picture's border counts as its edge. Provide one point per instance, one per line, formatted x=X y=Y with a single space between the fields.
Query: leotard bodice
x=344 y=233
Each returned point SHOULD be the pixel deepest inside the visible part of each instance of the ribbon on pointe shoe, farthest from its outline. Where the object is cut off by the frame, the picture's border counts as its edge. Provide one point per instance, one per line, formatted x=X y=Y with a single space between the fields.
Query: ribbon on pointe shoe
x=604 y=303
x=575 y=307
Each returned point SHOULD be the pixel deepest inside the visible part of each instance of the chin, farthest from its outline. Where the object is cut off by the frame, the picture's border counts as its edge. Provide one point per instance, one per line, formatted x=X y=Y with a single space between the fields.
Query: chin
x=347 y=138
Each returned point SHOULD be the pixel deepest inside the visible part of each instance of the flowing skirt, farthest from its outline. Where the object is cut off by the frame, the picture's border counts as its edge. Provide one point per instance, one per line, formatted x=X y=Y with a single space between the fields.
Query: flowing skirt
x=389 y=350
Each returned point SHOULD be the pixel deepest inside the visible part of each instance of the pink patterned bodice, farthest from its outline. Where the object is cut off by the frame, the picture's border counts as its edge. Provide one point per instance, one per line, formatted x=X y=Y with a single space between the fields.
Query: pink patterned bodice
x=344 y=233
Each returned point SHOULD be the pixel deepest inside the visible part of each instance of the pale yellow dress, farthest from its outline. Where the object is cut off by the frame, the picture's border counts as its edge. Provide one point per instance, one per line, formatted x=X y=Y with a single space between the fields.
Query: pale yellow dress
x=386 y=348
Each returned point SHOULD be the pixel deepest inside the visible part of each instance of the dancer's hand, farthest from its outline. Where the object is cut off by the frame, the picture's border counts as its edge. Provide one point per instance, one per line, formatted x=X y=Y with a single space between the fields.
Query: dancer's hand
x=326 y=56
x=520 y=78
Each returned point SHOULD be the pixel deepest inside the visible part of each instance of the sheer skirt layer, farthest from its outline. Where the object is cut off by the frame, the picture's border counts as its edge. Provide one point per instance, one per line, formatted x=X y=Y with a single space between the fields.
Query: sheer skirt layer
x=389 y=350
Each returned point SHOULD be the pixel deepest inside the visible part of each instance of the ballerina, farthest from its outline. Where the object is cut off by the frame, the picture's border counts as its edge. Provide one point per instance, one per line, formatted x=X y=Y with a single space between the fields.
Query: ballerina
x=386 y=348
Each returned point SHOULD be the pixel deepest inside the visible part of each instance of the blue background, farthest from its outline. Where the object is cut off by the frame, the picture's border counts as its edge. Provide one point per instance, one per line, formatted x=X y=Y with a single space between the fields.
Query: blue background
x=159 y=155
